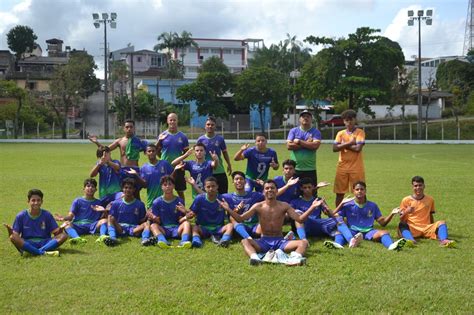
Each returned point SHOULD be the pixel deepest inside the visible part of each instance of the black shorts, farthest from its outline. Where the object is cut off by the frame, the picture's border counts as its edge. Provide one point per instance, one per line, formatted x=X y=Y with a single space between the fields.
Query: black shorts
x=179 y=181
x=310 y=174
x=222 y=182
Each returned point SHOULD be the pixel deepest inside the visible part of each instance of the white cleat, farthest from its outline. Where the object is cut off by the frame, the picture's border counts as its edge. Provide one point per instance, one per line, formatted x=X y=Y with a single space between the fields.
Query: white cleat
x=398 y=245
x=333 y=245
x=355 y=241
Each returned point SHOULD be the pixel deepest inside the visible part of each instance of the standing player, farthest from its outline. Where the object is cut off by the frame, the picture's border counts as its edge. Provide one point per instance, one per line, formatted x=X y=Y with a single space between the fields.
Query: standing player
x=168 y=217
x=417 y=216
x=216 y=143
x=350 y=166
x=127 y=216
x=288 y=187
x=33 y=227
x=172 y=144
x=241 y=201
x=152 y=172
x=259 y=160
x=109 y=172
x=303 y=142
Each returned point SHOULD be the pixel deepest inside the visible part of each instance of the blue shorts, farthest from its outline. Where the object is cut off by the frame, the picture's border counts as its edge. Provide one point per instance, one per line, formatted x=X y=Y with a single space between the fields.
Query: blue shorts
x=368 y=236
x=267 y=243
x=127 y=229
x=38 y=243
x=207 y=231
x=250 y=185
x=82 y=229
x=171 y=231
x=320 y=227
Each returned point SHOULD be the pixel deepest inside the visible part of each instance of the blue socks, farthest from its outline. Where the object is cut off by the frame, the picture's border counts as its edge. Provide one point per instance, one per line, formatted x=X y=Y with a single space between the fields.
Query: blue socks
x=406 y=234
x=442 y=232
x=240 y=228
x=103 y=229
x=342 y=227
x=162 y=238
x=71 y=232
x=386 y=240
x=301 y=232
x=340 y=239
x=197 y=241
x=31 y=249
x=145 y=234
x=185 y=238
x=226 y=237
x=112 y=232
x=52 y=244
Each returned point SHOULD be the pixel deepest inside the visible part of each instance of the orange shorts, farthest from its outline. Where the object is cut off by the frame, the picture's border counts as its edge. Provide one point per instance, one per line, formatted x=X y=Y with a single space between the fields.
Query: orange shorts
x=425 y=231
x=344 y=180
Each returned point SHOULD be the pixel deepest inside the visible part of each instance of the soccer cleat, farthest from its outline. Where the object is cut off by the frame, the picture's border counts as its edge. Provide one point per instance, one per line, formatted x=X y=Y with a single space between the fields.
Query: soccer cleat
x=153 y=240
x=268 y=258
x=398 y=245
x=280 y=257
x=110 y=241
x=289 y=236
x=224 y=244
x=163 y=245
x=295 y=261
x=185 y=245
x=215 y=239
x=196 y=244
x=100 y=239
x=355 y=241
x=255 y=262
x=148 y=242
x=77 y=241
x=448 y=243
x=410 y=244
x=333 y=245
x=53 y=253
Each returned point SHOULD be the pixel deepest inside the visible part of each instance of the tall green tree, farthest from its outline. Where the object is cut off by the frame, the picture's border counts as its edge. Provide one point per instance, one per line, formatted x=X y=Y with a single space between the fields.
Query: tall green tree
x=21 y=40
x=70 y=84
x=213 y=82
x=259 y=87
x=10 y=89
x=184 y=41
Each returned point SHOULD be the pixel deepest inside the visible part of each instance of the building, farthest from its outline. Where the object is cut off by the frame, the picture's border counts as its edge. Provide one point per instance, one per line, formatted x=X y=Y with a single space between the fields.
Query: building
x=7 y=63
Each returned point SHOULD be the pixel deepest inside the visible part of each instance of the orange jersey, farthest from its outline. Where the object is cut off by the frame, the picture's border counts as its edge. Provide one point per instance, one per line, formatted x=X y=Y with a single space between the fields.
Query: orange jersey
x=350 y=161
x=422 y=210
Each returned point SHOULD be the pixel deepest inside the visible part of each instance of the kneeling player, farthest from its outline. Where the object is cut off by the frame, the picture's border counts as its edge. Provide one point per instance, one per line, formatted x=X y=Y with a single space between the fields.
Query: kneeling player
x=127 y=216
x=417 y=216
x=168 y=216
x=33 y=227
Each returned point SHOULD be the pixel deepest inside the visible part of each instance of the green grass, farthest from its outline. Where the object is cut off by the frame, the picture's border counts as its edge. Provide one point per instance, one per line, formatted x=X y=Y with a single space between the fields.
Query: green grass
x=132 y=279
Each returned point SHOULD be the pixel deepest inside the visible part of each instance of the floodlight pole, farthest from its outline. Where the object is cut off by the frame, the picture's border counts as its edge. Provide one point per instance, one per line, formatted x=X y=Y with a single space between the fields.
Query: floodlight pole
x=106 y=86
x=420 y=96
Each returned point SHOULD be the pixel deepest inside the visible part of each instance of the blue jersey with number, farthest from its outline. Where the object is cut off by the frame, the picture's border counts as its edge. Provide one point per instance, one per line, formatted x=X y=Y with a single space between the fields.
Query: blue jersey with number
x=198 y=171
x=132 y=213
x=83 y=212
x=258 y=163
x=109 y=180
x=208 y=213
x=35 y=228
x=152 y=175
x=248 y=199
x=303 y=205
x=215 y=144
x=360 y=217
x=291 y=193
x=173 y=146
x=166 y=210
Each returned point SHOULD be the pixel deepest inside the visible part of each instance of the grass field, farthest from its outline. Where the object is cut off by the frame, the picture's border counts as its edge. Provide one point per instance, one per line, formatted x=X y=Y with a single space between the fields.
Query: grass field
x=131 y=279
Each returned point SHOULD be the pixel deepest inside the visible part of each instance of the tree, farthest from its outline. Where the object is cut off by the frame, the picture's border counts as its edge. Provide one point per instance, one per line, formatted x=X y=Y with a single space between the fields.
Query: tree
x=213 y=82
x=10 y=89
x=184 y=41
x=261 y=87
x=71 y=83
x=21 y=40
x=166 y=40
x=359 y=68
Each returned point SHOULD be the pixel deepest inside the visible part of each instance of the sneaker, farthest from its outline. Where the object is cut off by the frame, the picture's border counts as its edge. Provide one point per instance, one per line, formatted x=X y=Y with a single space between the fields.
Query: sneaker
x=196 y=244
x=269 y=256
x=153 y=240
x=398 y=245
x=185 y=245
x=280 y=257
x=110 y=241
x=355 y=240
x=101 y=239
x=163 y=245
x=255 y=262
x=224 y=244
x=410 y=244
x=53 y=253
x=147 y=242
x=295 y=261
x=448 y=243
x=77 y=240
x=215 y=239
x=289 y=236
x=333 y=245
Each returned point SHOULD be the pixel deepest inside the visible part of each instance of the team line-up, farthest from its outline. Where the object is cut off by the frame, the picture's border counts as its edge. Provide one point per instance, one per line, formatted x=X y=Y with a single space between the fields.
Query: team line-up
x=257 y=209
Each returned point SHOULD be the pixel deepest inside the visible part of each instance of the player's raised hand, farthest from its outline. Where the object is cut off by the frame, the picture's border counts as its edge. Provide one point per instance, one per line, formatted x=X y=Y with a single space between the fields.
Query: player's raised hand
x=396 y=211
x=190 y=180
x=223 y=203
x=92 y=138
x=322 y=184
x=292 y=181
x=189 y=152
x=58 y=217
x=244 y=147
x=240 y=206
x=317 y=202
x=214 y=155
x=273 y=164
x=180 y=207
x=98 y=208
x=180 y=166
x=347 y=199
x=162 y=136
x=259 y=181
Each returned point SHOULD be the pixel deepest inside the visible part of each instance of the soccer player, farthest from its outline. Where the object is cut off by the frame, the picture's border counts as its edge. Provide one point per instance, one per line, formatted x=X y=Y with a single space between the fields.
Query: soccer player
x=241 y=201
x=216 y=143
x=417 y=219
x=199 y=169
x=127 y=216
x=361 y=214
x=83 y=217
x=152 y=172
x=303 y=142
x=168 y=217
x=109 y=172
x=33 y=227
x=172 y=144
x=210 y=216
x=288 y=187
x=271 y=214
x=259 y=160
x=350 y=166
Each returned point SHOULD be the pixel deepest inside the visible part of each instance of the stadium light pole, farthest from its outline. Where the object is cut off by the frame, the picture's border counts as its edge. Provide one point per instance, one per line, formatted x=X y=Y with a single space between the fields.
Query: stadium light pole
x=295 y=74
x=411 y=22
x=113 y=24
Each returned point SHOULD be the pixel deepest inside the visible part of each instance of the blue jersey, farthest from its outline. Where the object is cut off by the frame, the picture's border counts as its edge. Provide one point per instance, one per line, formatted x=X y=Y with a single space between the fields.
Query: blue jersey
x=215 y=144
x=303 y=205
x=152 y=175
x=248 y=199
x=173 y=146
x=208 y=213
x=35 y=228
x=166 y=210
x=132 y=213
x=83 y=212
x=199 y=172
x=291 y=193
x=258 y=163
x=305 y=158
x=109 y=180
x=360 y=217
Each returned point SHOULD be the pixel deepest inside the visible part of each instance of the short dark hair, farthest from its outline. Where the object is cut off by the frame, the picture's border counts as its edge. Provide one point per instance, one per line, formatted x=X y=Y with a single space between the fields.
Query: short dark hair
x=128 y=181
x=359 y=182
x=211 y=118
x=90 y=181
x=151 y=145
x=289 y=162
x=305 y=181
x=166 y=179
x=260 y=134
x=199 y=144
x=270 y=181
x=348 y=114
x=211 y=179
x=239 y=173
x=35 y=192
x=417 y=179
x=130 y=121
x=100 y=151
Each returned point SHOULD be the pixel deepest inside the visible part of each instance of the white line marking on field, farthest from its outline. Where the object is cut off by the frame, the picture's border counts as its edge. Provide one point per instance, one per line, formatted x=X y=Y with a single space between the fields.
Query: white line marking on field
x=416 y=157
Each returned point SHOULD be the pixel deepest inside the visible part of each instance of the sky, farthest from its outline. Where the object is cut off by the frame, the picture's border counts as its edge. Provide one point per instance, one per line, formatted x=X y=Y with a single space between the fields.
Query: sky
x=140 y=22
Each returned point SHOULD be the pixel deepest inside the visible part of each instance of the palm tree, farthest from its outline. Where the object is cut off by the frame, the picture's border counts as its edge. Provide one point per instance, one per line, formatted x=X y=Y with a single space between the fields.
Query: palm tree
x=183 y=42
x=167 y=40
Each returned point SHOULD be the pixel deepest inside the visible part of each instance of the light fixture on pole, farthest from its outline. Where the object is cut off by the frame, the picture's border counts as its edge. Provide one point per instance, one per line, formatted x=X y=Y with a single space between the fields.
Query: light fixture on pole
x=295 y=74
x=113 y=24
x=420 y=16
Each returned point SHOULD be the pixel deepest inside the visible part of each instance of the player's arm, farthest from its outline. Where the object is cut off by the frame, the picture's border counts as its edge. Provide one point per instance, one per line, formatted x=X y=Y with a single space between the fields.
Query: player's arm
x=291 y=182
x=312 y=144
x=383 y=221
x=192 y=182
x=181 y=158
x=237 y=217
x=239 y=155
x=274 y=164
x=114 y=145
x=343 y=202
x=95 y=169
x=336 y=147
x=227 y=159
x=301 y=218
x=215 y=160
x=138 y=178
x=68 y=217
x=292 y=145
